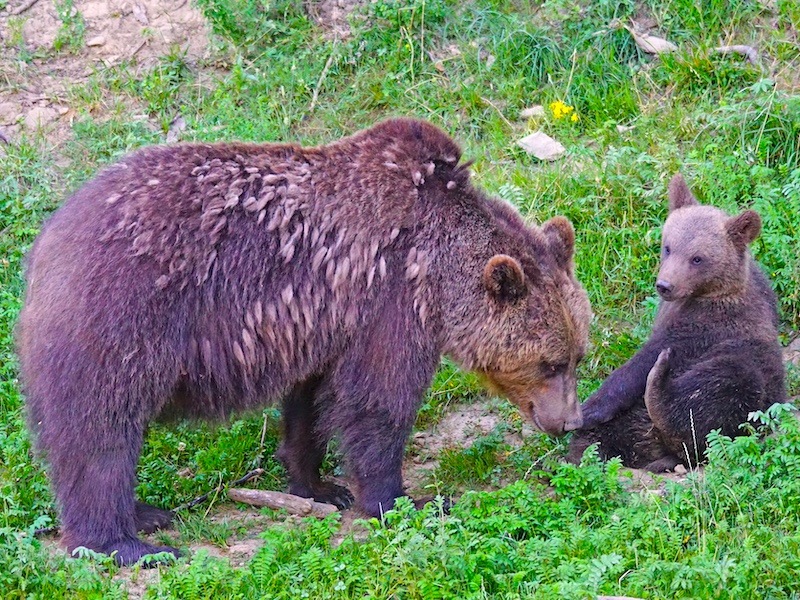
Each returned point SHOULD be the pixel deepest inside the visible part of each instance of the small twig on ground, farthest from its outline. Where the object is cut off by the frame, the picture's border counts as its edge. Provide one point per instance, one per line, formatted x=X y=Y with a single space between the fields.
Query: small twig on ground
x=46 y=530
x=750 y=53
x=499 y=112
x=141 y=45
x=21 y=9
x=216 y=490
x=322 y=76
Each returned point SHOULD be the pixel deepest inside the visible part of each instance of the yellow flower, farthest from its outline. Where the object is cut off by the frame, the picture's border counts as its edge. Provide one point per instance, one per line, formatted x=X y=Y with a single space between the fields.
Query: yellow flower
x=560 y=110
x=574 y=117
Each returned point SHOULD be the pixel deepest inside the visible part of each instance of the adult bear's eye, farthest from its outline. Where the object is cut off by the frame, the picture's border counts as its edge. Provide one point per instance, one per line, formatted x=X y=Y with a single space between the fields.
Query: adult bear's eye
x=697 y=260
x=552 y=369
x=666 y=250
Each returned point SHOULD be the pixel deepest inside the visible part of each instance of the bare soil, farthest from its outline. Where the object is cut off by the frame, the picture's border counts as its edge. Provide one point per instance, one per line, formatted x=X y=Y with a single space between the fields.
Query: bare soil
x=35 y=94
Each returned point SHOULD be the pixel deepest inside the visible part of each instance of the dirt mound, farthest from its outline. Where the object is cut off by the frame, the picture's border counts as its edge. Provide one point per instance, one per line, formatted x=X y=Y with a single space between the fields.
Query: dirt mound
x=47 y=48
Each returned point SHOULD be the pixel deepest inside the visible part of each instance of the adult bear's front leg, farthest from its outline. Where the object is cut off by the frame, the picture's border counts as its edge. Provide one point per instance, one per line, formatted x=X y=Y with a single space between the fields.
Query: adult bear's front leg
x=305 y=442
x=379 y=385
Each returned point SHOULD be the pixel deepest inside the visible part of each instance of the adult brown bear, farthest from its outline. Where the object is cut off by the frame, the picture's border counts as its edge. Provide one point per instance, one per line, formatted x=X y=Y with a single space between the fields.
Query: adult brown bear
x=197 y=280
x=713 y=355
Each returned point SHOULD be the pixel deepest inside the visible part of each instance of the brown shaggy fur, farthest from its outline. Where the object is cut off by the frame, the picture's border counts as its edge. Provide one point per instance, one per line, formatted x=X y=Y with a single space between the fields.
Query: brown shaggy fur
x=713 y=355
x=198 y=280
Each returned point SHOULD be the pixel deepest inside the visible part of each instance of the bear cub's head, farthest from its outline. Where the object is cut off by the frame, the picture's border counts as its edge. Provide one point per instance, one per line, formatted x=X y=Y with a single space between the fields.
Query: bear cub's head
x=703 y=250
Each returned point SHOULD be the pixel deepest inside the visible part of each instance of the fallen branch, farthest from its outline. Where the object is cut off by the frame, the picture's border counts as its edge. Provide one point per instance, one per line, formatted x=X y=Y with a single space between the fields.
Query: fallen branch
x=46 y=530
x=21 y=9
x=294 y=505
x=750 y=53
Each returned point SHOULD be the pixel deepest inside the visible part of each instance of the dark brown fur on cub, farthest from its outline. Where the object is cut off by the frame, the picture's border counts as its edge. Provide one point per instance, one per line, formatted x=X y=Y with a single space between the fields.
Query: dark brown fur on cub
x=198 y=280
x=713 y=355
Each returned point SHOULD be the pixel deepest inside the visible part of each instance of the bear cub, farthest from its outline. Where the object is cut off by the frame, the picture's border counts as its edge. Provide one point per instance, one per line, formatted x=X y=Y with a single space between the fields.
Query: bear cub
x=713 y=355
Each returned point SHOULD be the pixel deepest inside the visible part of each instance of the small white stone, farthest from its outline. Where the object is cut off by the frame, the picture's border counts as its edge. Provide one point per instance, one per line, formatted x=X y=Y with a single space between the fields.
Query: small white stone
x=542 y=146
x=532 y=112
x=652 y=44
x=99 y=40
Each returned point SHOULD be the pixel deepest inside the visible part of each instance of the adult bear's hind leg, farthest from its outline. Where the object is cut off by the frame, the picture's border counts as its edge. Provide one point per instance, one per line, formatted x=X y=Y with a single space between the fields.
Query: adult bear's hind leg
x=94 y=483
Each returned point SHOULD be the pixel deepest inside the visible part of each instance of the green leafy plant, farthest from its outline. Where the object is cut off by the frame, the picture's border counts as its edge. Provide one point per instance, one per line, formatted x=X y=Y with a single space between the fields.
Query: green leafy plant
x=70 y=36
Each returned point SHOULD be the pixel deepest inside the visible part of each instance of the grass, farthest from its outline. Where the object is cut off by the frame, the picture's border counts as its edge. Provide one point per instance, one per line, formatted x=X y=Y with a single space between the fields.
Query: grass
x=555 y=531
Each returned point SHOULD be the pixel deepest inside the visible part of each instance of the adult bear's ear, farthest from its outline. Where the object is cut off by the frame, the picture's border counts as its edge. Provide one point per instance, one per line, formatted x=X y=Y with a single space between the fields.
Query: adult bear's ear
x=743 y=228
x=561 y=240
x=679 y=194
x=504 y=279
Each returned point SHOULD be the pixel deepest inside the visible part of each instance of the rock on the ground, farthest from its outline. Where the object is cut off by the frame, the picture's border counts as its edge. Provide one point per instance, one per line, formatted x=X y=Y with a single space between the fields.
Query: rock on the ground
x=542 y=146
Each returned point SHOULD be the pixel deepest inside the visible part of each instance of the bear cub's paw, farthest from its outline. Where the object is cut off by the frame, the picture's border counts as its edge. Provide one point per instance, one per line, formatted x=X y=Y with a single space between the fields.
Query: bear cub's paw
x=663 y=464
x=656 y=379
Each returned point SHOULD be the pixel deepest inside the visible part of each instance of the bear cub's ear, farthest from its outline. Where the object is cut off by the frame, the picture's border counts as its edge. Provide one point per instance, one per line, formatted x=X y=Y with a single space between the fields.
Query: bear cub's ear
x=744 y=228
x=504 y=279
x=561 y=240
x=679 y=194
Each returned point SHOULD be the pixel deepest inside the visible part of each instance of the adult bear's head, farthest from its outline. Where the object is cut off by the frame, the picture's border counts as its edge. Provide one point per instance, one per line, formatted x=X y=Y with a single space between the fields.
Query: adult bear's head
x=527 y=328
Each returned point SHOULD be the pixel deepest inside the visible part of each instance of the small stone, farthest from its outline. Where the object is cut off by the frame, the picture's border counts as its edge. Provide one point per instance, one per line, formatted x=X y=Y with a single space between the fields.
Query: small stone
x=177 y=125
x=140 y=14
x=532 y=112
x=99 y=40
x=625 y=128
x=542 y=146
x=791 y=354
x=680 y=470
x=39 y=116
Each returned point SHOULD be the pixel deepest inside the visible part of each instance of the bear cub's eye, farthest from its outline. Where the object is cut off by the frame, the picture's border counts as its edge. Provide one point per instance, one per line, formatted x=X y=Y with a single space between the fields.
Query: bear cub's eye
x=697 y=260
x=666 y=250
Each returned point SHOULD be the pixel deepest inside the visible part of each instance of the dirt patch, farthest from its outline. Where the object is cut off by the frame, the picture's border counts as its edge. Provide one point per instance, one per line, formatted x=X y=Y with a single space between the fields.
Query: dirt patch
x=333 y=15
x=34 y=90
x=648 y=483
